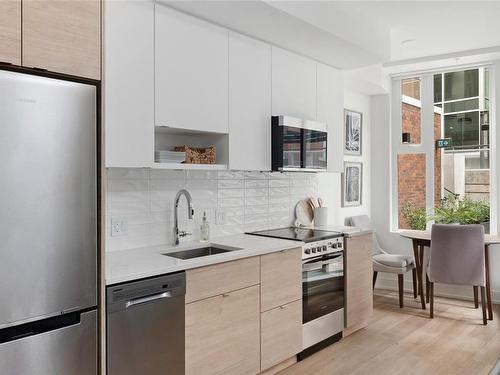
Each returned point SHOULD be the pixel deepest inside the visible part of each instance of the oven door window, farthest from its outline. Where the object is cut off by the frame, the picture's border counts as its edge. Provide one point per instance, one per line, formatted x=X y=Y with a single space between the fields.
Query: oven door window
x=322 y=286
x=292 y=141
x=315 y=149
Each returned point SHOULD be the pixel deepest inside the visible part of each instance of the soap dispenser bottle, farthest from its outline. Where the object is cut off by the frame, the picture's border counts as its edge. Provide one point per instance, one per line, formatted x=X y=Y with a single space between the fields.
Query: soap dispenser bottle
x=204 y=229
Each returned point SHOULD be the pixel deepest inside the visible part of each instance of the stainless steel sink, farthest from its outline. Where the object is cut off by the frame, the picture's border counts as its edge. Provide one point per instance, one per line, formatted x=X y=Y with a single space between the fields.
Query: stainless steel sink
x=200 y=252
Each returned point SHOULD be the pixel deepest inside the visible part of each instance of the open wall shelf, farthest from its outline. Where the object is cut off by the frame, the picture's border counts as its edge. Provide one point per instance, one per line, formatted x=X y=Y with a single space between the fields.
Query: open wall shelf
x=168 y=138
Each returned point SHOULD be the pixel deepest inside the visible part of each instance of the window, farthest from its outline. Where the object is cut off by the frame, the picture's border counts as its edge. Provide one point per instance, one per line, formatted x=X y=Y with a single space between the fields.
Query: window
x=438 y=89
x=411 y=186
x=410 y=110
x=429 y=177
x=463 y=129
x=460 y=85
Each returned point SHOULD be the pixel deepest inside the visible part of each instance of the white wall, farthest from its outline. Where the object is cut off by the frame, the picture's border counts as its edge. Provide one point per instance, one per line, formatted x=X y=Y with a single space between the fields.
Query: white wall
x=330 y=184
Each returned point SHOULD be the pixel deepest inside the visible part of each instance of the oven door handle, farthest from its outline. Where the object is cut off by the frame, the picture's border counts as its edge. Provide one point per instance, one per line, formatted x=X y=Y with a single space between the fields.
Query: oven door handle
x=325 y=260
x=319 y=266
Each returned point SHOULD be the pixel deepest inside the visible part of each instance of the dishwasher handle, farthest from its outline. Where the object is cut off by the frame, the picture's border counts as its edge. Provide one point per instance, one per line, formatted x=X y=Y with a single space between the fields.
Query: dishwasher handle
x=125 y=296
x=141 y=300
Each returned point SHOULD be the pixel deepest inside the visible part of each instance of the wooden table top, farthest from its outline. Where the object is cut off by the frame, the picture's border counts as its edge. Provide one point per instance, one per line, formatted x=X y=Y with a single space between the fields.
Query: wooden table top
x=425 y=235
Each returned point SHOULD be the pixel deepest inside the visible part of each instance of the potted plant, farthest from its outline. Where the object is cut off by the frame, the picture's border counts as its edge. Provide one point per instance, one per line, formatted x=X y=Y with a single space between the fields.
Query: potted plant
x=452 y=210
x=456 y=210
x=416 y=217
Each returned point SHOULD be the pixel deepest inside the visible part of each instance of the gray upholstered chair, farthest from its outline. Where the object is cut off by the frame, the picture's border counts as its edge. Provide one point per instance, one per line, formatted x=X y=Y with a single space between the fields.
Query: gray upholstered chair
x=386 y=262
x=457 y=257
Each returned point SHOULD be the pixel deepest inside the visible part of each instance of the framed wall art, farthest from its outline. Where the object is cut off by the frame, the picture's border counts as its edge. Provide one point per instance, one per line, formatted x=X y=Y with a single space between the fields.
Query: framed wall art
x=353 y=127
x=352 y=184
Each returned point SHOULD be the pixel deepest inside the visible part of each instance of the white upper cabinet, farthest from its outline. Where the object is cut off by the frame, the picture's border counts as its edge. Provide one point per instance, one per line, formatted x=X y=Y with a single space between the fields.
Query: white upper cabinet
x=293 y=85
x=191 y=75
x=249 y=104
x=128 y=83
x=330 y=111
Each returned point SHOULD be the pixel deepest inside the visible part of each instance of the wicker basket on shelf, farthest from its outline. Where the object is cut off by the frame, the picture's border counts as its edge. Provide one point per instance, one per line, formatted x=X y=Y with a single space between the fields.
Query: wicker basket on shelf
x=198 y=155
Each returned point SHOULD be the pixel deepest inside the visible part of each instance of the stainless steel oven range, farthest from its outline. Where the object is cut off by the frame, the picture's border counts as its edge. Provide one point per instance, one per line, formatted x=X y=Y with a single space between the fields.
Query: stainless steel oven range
x=322 y=294
x=322 y=284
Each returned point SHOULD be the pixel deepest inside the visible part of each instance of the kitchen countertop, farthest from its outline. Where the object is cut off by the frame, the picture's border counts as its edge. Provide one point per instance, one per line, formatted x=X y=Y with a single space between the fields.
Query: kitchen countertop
x=346 y=230
x=127 y=265
x=133 y=264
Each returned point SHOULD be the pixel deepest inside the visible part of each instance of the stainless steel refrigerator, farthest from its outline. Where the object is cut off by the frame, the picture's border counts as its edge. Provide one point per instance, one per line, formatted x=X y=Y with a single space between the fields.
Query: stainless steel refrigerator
x=48 y=226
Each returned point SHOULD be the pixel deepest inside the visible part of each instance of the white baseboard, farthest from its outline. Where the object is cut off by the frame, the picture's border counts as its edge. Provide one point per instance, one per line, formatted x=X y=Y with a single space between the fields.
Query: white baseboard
x=390 y=282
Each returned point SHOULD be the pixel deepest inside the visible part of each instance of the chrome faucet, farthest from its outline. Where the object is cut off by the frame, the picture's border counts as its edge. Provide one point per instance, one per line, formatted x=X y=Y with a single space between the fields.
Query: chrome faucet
x=178 y=234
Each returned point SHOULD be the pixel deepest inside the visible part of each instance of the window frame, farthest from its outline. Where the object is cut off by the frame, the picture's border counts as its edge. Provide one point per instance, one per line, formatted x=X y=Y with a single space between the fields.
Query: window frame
x=427 y=144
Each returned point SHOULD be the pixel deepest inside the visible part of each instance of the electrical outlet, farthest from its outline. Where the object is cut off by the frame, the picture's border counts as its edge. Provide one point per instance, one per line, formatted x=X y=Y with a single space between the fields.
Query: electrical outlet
x=220 y=217
x=119 y=227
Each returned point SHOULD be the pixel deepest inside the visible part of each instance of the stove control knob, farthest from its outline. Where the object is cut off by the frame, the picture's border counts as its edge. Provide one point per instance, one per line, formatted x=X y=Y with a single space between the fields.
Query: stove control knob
x=313 y=249
x=324 y=248
x=308 y=251
x=334 y=245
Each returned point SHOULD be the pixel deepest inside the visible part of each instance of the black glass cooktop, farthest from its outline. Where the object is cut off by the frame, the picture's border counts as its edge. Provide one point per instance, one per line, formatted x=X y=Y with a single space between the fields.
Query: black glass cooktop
x=298 y=234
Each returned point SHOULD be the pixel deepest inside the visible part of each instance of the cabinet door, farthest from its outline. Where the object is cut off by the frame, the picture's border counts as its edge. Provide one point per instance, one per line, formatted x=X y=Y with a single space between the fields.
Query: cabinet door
x=222 y=334
x=10 y=32
x=331 y=111
x=358 y=282
x=129 y=83
x=249 y=104
x=281 y=334
x=191 y=72
x=280 y=278
x=293 y=85
x=221 y=278
x=63 y=36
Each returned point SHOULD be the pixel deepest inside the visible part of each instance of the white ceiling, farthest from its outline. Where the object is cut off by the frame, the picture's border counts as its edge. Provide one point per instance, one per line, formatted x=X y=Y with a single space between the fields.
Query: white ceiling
x=352 y=34
x=268 y=23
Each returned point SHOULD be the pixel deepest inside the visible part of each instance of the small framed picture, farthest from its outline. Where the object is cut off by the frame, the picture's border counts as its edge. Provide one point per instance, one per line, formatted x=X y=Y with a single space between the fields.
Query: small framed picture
x=352 y=184
x=353 y=126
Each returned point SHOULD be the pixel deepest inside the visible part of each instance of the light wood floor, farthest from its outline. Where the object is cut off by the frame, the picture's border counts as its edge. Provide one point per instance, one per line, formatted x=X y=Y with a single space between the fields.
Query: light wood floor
x=406 y=341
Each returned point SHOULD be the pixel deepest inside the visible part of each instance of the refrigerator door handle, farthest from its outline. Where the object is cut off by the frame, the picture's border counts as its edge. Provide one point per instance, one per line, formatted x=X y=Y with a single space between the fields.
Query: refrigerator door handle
x=141 y=300
x=64 y=345
x=39 y=326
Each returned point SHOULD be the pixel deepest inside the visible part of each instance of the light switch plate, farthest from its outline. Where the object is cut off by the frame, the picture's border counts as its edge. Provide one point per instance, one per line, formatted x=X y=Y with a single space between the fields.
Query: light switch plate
x=119 y=227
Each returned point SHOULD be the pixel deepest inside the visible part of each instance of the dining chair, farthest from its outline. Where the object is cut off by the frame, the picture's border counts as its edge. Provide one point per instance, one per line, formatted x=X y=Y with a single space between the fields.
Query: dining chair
x=457 y=257
x=387 y=262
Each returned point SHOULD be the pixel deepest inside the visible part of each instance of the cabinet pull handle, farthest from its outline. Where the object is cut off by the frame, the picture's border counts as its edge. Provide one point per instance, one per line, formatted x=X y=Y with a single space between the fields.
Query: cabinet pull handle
x=282 y=307
x=225 y=295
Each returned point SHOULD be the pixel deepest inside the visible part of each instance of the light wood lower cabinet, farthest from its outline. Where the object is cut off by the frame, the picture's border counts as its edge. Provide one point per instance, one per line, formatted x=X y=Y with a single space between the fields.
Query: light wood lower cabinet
x=358 y=282
x=10 y=32
x=281 y=278
x=221 y=278
x=281 y=334
x=223 y=335
x=62 y=36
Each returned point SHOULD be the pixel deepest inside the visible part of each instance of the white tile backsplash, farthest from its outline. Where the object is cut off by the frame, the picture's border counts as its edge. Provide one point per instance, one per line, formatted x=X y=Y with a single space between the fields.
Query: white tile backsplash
x=244 y=200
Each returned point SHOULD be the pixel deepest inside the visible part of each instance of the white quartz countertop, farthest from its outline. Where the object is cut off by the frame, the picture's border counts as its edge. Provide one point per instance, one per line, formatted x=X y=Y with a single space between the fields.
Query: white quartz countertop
x=347 y=231
x=127 y=265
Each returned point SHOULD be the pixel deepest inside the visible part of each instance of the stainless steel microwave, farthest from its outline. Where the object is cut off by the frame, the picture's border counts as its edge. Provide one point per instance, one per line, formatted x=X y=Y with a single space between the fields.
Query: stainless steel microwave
x=298 y=145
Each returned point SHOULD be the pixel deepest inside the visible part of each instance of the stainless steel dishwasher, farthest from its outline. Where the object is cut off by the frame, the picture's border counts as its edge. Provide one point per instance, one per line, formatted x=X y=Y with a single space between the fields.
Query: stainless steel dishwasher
x=145 y=326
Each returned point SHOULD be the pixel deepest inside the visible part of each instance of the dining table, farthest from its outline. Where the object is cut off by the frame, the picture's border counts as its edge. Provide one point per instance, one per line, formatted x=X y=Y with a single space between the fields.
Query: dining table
x=422 y=239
